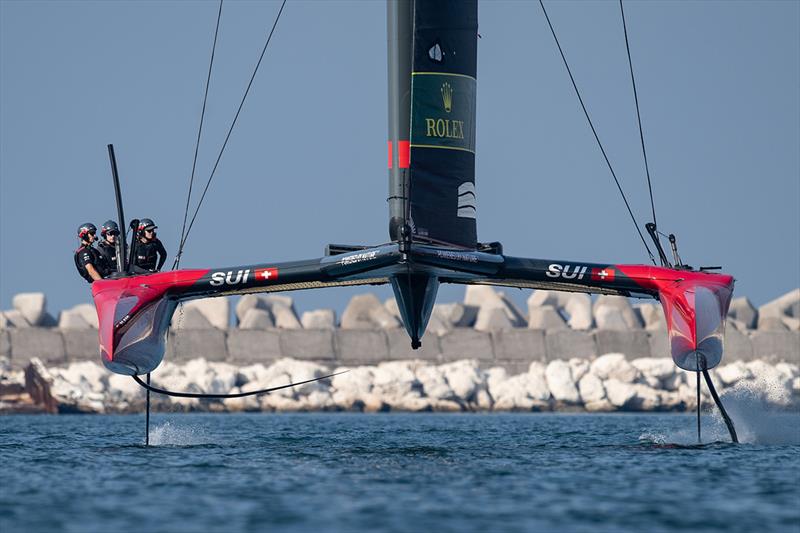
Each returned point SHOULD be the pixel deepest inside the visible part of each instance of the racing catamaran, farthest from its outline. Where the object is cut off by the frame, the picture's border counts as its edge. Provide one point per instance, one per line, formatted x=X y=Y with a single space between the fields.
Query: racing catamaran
x=432 y=71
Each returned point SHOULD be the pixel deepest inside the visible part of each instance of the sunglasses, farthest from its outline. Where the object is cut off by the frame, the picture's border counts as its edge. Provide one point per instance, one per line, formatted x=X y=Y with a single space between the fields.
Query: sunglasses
x=112 y=233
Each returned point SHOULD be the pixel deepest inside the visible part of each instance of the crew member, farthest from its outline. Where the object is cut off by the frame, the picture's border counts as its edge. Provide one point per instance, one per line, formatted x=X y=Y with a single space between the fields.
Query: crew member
x=150 y=253
x=88 y=260
x=108 y=244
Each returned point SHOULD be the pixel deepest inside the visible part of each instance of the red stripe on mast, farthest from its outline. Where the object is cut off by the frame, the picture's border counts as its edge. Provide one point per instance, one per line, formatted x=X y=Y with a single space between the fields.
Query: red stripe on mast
x=403 y=153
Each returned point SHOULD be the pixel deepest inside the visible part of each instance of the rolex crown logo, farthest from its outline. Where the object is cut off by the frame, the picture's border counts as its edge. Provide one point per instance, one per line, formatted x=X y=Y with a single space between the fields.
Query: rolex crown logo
x=447 y=96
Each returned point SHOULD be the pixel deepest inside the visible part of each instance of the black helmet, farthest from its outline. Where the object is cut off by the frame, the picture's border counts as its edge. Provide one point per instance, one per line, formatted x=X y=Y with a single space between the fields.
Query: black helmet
x=146 y=223
x=85 y=229
x=109 y=226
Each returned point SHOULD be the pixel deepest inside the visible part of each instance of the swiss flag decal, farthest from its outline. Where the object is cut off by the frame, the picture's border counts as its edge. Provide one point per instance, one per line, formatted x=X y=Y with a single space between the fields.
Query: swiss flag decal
x=266 y=274
x=603 y=274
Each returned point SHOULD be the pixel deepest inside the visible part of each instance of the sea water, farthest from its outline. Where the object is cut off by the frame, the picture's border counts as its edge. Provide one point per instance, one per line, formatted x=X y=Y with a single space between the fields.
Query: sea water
x=399 y=472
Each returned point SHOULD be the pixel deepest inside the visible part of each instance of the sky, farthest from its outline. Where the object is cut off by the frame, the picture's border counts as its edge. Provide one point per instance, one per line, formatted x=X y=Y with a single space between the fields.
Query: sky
x=718 y=85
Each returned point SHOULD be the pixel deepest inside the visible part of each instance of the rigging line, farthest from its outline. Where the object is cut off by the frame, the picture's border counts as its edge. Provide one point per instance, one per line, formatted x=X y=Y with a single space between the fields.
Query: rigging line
x=166 y=392
x=596 y=136
x=230 y=130
x=177 y=260
x=638 y=115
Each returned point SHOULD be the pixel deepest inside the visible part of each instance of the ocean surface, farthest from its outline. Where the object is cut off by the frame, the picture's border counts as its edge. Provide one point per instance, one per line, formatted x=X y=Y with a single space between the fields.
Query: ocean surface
x=398 y=472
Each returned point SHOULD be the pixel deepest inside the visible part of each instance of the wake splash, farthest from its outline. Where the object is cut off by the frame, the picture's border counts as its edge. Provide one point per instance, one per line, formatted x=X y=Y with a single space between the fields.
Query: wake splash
x=763 y=412
x=167 y=434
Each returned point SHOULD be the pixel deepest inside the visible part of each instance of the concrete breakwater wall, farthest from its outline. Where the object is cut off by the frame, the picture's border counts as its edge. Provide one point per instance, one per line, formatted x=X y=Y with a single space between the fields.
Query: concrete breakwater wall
x=512 y=349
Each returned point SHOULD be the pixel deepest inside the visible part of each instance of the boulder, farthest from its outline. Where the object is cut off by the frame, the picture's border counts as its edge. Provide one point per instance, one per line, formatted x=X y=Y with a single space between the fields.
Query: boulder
x=614 y=366
x=652 y=315
x=14 y=319
x=793 y=324
x=365 y=311
x=395 y=380
x=674 y=382
x=522 y=392
x=560 y=382
x=349 y=390
x=216 y=310
x=610 y=318
x=787 y=305
x=189 y=318
x=731 y=374
x=541 y=297
x=464 y=378
x=86 y=375
x=319 y=319
x=284 y=371
x=620 y=394
x=89 y=314
x=743 y=310
x=456 y=315
x=771 y=323
x=434 y=383
x=629 y=317
x=537 y=381
x=123 y=389
x=647 y=398
x=485 y=297
x=438 y=326
x=391 y=305
x=257 y=318
x=591 y=389
x=285 y=316
x=32 y=305
x=579 y=368
x=280 y=307
x=545 y=317
x=70 y=319
x=660 y=368
x=601 y=406
x=493 y=319
x=789 y=370
x=579 y=309
x=247 y=302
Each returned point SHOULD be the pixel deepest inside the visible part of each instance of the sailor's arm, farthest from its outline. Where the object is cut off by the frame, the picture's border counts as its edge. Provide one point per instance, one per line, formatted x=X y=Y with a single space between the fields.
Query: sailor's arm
x=87 y=261
x=93 y=272
x=162 y=255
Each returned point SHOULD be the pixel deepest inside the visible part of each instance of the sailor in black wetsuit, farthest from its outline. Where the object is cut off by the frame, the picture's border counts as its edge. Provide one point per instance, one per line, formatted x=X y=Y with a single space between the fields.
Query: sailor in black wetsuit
x=108 y=245
x=150 y=253
x=88 y=261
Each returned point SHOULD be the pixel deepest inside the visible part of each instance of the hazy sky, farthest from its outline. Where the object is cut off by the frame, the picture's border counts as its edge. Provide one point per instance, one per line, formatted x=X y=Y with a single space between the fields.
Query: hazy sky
x=719 y=88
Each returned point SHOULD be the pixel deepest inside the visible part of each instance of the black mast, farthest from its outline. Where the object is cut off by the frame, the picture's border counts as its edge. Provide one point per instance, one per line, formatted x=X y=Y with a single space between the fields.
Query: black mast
x=121 y=242
x=399 y=34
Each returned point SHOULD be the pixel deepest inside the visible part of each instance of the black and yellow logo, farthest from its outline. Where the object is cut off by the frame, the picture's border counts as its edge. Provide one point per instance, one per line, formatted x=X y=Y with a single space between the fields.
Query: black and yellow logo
x=443 y=111
x=447 y=96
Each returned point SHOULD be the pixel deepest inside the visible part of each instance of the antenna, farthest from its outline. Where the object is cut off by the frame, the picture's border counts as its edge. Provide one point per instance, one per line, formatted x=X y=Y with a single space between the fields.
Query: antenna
x=120 y=244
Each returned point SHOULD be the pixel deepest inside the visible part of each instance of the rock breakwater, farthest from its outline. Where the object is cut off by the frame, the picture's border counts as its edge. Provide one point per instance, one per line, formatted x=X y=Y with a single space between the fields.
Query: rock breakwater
x=610 y=382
